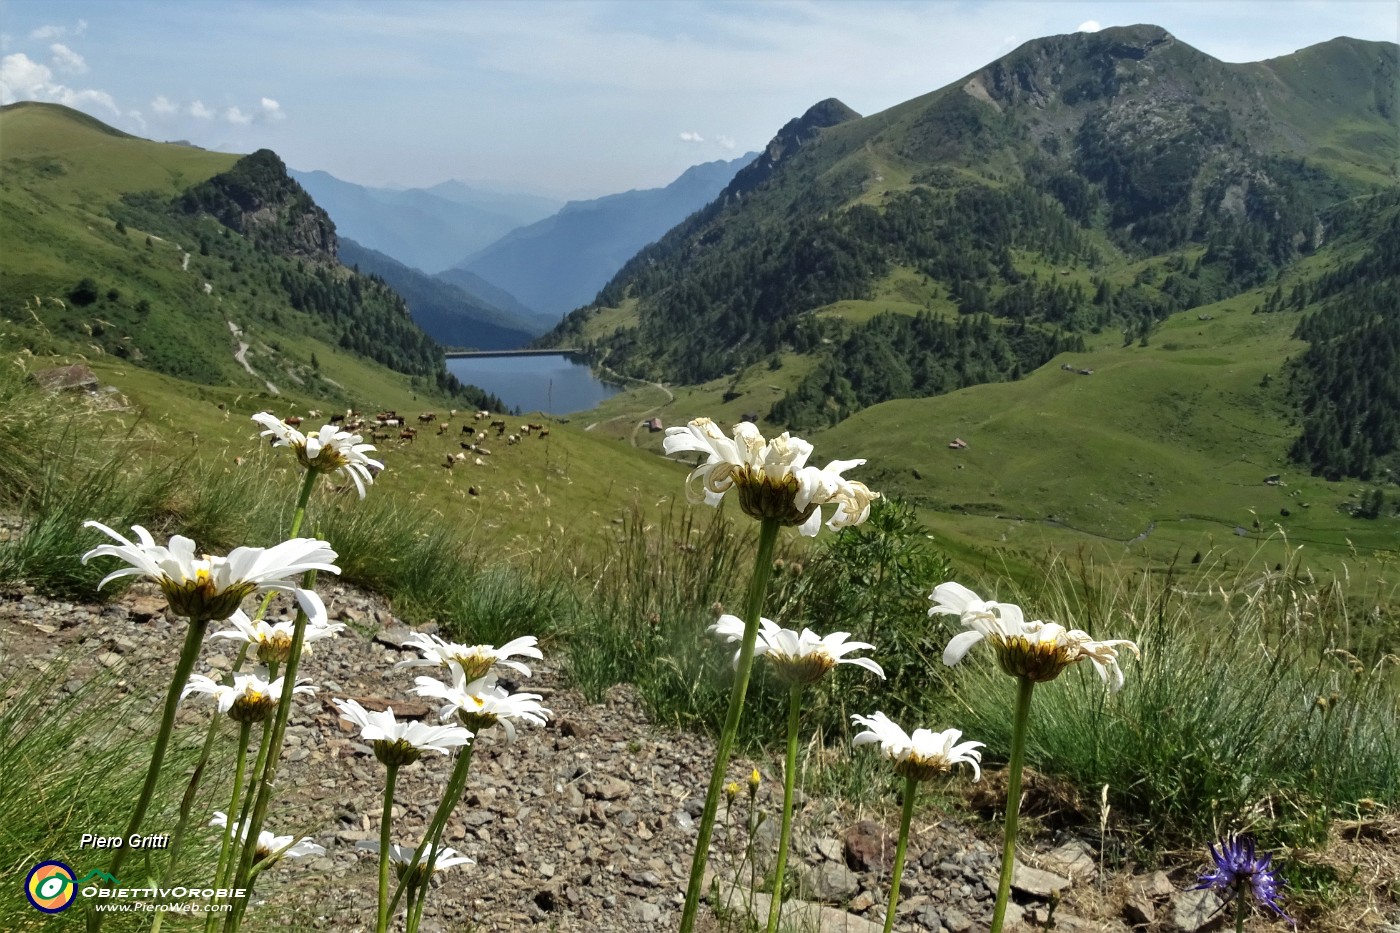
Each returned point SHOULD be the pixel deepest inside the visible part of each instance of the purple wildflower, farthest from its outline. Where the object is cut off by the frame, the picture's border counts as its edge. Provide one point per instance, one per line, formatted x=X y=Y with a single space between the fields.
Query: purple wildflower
x=1238 y=870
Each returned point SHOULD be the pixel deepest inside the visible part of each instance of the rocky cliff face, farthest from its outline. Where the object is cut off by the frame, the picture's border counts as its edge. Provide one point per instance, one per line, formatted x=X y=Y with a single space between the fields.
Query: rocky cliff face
x=258 y=199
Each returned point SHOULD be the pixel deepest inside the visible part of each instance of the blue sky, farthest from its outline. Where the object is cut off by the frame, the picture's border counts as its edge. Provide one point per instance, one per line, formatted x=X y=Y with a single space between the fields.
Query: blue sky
x=575 y=98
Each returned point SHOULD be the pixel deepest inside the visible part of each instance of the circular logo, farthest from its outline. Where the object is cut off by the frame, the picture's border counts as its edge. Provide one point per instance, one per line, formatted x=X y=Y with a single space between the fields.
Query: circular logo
x=50 y=887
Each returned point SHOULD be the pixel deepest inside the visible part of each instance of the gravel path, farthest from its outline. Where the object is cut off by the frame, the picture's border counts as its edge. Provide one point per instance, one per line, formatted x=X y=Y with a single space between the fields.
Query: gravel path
x=585 y=825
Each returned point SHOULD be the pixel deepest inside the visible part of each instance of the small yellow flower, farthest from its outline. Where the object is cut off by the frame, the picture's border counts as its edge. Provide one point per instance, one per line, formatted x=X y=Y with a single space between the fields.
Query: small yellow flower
x=754 y=780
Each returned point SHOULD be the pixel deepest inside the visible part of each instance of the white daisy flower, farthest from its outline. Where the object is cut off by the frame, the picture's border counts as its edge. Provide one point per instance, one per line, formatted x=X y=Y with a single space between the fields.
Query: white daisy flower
x=922 y=755
x=210 y=588
x=250 y=698
x=270 y=846
x=400 y=743
x=481 y=703
x=403 y=855
x=1038 y=651
x=475 y=660
x=325 y=450
x=273 y=640
x=772 y=477
x=801 y=658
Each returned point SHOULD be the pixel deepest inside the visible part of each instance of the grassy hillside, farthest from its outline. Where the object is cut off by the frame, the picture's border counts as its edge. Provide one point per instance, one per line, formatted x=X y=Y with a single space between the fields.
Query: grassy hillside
x=213 y=268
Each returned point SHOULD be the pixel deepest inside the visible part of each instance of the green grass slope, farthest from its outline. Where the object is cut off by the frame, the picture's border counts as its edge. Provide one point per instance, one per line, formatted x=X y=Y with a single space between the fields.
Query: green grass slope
x=1163 y=448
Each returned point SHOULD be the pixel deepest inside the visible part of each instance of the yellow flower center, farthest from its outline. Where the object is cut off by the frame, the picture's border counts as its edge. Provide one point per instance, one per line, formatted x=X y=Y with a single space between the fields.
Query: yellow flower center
x=476 y=720
x=474 y=664
x=328 y=460
x=275 y=648
x=920 y=768
x=201 y=599
x=762 y=497
x=396 y=753
x=1037 y=661
x=252 y=706
x=804 y=670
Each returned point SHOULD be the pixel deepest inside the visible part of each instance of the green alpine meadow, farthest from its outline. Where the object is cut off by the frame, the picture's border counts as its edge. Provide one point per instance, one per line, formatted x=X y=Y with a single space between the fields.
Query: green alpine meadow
x=994 y=527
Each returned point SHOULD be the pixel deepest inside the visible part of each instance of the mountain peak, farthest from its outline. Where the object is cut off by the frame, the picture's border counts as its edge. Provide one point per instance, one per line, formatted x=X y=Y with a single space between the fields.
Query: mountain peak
x=794 y=135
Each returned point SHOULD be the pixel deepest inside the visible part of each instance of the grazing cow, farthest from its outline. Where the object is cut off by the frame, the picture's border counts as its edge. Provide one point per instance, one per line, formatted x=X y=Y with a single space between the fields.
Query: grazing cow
x=426 y=417
x=313 y=413
x=543 y=433
x=482 y=415
x=468 y=429
x=449 y=462
x=380 y=436
x=535 y=427
x=483 y=451
x=499 y=424
x=467 y=446
x=408 y=434
x=293 y=421
x=473 y=491
x=513 y=439
x=442 y=429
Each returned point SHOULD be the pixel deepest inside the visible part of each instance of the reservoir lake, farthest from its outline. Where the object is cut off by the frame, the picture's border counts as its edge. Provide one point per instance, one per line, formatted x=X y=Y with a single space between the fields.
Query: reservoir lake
x=553 y=383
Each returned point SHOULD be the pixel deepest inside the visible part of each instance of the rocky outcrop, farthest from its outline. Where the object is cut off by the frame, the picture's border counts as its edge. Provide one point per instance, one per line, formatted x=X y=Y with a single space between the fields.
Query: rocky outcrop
x=258 y=199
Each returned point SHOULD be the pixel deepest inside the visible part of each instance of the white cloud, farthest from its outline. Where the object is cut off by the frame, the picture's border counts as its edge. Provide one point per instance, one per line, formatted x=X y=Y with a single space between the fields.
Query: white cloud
x=272 y=109
x=197 y=109
x=136 y=118
x=164 y=106
x=49 y=32
x=81 y=27
x=726 y=142
x=234 y=115
x=66 y=60
x=689 y=137
x=1089 y=25
x=22 y=78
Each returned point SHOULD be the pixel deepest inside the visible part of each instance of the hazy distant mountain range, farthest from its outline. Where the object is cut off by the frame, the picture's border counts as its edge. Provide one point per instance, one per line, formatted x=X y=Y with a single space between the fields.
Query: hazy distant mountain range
x=452 y=315
x=430 y=229
x=559 y=263
x=513 y=252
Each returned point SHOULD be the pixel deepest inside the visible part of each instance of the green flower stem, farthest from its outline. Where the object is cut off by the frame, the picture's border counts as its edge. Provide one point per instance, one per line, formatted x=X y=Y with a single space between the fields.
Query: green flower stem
x=419 y=898
x=307 y=484
x=753 y=607
x=274 y=734
x=456 y=784
x=1013 y=799
x=789 y=778
x=911 y=787
x=385 y=823
x=247 y=808
x=270 y=754
x=226 y=843
x=194 y=638
x=1241 y=908
x=177 y=838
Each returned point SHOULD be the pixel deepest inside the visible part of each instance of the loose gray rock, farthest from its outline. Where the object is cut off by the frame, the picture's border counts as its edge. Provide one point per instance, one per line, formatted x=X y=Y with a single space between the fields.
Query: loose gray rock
x=1194 y=911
